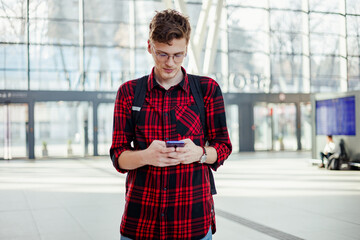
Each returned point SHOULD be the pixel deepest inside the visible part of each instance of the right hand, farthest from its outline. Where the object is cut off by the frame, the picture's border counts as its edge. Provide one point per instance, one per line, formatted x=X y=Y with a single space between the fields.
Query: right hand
x=158 y=155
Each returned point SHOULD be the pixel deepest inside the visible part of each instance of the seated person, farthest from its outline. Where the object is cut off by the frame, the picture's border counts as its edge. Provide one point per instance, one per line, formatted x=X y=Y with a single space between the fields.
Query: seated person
x=329 y=150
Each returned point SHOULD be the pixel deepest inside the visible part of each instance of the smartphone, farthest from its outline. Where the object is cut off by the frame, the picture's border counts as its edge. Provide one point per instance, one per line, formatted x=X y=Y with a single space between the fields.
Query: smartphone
x=175 y=144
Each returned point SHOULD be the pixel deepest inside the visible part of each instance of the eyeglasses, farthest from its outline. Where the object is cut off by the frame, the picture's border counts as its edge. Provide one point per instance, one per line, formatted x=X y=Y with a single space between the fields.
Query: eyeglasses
x=163 y=57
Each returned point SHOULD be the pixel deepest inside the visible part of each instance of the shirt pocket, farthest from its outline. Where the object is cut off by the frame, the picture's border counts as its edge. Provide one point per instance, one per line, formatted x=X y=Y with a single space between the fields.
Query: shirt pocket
x=188 y=121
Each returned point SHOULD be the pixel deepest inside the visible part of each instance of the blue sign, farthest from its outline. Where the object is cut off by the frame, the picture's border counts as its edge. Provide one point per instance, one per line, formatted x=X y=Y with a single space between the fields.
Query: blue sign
x=336 y=116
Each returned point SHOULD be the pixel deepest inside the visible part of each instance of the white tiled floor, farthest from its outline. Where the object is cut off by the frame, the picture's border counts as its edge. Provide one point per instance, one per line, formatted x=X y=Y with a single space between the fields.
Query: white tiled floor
x=77 y=199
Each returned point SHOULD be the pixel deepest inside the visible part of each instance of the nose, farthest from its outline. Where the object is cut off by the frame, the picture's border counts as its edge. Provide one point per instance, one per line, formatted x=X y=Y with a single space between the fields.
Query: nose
x=170 y=60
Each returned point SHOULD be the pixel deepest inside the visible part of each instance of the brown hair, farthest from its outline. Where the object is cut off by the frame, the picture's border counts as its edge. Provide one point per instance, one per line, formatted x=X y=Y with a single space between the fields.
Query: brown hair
x=168 y=25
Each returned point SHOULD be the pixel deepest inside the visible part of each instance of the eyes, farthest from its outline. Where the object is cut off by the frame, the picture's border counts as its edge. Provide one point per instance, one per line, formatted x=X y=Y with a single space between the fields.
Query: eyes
x=163 y=57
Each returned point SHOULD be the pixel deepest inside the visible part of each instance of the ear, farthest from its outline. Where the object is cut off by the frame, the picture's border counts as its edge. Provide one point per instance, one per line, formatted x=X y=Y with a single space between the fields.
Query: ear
x=149 y=46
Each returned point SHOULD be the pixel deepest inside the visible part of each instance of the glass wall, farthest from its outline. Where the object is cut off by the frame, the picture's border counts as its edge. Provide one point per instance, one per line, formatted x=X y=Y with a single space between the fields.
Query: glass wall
x=305 y=110
x=63 y=129
x=232 y=121
x=13 y=130
x=263 y=46
x=105 y=127
x=275 y=126
x=274 y=46
x=263 y=131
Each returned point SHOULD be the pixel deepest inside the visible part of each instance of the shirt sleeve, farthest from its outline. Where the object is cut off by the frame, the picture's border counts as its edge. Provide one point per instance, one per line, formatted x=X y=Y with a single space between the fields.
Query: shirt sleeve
x=218 y=136
x=122 y=124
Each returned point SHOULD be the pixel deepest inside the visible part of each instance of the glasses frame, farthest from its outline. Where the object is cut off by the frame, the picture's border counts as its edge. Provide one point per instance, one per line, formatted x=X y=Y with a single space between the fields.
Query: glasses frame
x=164 y=57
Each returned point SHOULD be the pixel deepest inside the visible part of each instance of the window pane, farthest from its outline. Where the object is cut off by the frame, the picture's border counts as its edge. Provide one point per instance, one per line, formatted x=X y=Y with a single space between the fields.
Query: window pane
x=286 y=43
x=286 y=4
x=248 y=62
x=353 y=25
x=248 y=41
x=144 y=62
x=13 y=8
x=13 y=124
x=54 y=32
x=145 y=10
x=324 y=44
x=286 y=21
x=54 y=67
x=353 y=6
x=327 y=23
x=306 y=128
x=110 y=10
x=248 y=72
x=106 y=67
x=354 y=46
x=63 y=129
x=325 y=73
x=354 y=73
x=249 y=3
x=286 y=73
x=105 y=124
x=13 y=67
x=142 y=35
x=12 y=30
x=107 y=34
x=65 y=9
x=248 y=19
x=262 y=122
x=336 y=6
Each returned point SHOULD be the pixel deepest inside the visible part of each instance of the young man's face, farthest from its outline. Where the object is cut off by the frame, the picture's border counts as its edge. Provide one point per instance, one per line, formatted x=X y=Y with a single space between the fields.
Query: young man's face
x=168 y=58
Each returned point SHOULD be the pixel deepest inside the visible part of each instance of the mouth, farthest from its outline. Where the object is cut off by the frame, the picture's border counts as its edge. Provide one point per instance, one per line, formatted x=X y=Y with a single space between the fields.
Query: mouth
x=168 y=70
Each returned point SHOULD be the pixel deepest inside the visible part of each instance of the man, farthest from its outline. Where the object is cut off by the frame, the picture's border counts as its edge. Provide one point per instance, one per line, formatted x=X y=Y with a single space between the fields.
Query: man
x=329 y=150
x=167 y=188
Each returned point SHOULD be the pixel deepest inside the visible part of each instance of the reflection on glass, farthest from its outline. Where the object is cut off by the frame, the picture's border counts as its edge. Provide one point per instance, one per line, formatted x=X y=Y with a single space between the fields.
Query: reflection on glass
x=286 y=21
x=284 y=126
x=327 y=23
x=249 y=3
x=286 y=4
x=262 y=131
x=13 y=127
x=286 y=73
x=107 y=11
x=275 y=126
x=12 y=30
x=63 y=129
x=325 y=73
x=249 y=19
x=65 y=9
x=354 y=73
x=45 y=31
x=54 y=68
x=13 y=73
x=336 y=6
x=105 y=124
x=232 y=121
x=353 y=6
x=305 y=109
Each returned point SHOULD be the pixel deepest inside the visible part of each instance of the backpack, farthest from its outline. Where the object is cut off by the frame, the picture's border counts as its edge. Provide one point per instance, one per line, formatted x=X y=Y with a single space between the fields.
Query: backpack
x=195 y=88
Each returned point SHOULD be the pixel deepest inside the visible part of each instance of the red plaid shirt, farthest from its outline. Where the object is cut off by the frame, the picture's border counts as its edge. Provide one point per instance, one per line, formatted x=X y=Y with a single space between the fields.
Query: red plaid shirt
x=169 y=202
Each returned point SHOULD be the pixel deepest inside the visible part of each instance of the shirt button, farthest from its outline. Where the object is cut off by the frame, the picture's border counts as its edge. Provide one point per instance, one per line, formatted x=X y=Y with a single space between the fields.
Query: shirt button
x=162 y=214
x=167 y=139
x=165 y=188
x=166 y=114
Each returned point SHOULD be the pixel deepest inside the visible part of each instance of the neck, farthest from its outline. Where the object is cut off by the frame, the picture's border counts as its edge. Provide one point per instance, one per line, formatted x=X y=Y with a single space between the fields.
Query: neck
x=168 y=83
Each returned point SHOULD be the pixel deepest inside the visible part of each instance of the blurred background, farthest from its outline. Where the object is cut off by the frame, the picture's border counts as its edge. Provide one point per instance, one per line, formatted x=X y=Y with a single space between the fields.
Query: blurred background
x=61 y=63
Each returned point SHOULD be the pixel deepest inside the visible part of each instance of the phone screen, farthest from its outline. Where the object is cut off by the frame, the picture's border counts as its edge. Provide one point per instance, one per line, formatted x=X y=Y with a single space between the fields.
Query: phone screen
x=175 y=144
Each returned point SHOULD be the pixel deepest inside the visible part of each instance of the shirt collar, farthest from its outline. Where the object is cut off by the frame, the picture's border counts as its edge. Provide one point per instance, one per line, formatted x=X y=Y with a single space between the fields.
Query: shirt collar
x=184 y=84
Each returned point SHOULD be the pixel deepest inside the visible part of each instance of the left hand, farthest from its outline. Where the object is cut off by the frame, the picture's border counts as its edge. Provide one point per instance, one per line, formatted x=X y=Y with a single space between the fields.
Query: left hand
x=189 y=153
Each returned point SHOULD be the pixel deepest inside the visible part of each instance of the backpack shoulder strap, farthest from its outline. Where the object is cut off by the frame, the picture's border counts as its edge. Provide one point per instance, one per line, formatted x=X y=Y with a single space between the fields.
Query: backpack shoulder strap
x=197 y=93
x=139 y=98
